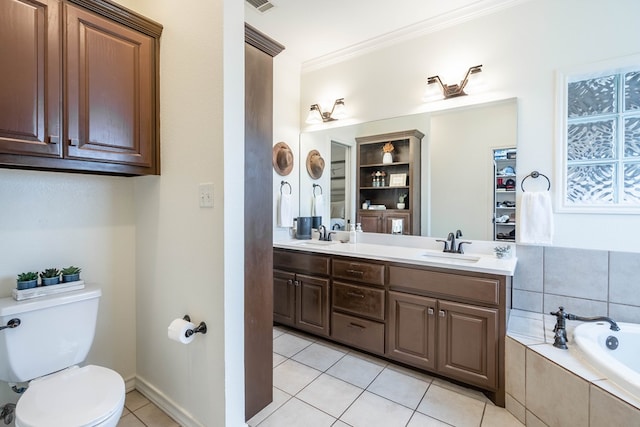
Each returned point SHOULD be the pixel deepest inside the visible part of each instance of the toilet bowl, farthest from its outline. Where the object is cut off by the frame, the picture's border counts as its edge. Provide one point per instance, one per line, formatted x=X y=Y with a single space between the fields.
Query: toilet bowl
x=45 y=342
x=91 y=396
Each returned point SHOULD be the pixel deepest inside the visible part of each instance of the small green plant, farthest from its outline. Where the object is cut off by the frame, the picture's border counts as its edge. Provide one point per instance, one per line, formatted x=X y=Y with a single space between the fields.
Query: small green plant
x=28 y=276
x=402 y=197
x=70 y=270
x=50 y=273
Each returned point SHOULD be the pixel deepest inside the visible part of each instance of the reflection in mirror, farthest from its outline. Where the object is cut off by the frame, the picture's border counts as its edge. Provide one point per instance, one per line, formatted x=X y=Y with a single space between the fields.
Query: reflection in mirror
x=457 y=181
x=338 y=186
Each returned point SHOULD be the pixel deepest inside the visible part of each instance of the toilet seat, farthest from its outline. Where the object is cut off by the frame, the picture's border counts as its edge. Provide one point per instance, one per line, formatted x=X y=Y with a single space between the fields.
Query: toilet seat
x=79 y=397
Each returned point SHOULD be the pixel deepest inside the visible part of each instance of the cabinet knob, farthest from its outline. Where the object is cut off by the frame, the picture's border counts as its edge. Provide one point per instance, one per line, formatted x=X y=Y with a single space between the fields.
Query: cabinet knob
x=441 y=313
x=296 y=283
x=430 y=311
x=74 y=141
x=53 y=139
x=289 y=282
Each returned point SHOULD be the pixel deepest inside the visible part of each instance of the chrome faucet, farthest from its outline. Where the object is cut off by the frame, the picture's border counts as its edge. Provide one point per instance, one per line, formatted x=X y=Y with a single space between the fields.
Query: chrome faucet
x=560 y=339
x=450 y=243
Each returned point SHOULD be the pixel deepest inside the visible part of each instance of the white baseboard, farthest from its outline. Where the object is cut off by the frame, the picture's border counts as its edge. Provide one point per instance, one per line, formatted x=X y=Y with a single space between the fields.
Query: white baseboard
x=179 y=414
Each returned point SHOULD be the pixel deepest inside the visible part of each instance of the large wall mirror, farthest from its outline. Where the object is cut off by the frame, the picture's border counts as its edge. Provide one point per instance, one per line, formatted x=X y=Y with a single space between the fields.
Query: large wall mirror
x=457 y=183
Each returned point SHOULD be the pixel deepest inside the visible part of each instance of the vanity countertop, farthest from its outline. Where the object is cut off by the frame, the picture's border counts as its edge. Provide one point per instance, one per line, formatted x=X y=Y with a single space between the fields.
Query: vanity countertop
x=416 y=250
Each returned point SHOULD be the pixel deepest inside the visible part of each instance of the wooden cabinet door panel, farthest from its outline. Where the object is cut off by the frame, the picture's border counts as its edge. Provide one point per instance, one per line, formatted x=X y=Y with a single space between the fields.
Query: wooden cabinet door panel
x=30 y=85
x=411 y=332
x=468 y=343
x=312 y=304
x=389 y=217
x=370 y=221
x=284 y=297
x=110 y=78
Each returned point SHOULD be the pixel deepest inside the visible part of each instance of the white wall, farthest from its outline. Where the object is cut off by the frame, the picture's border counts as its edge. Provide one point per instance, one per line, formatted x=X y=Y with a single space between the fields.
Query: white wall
x=53 y=219
x=520 y=49
x=189 y=259
x=286 y=128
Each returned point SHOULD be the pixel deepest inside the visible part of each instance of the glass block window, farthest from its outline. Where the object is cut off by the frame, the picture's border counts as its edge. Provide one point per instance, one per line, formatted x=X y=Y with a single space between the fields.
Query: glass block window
x=601 y=141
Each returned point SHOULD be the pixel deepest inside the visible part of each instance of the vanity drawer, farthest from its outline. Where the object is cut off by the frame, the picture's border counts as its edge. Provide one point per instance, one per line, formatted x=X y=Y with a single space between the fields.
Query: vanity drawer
x=360 y=300
x=356 y=271
x=365 y=334
x=301 y=262
x=477 y=289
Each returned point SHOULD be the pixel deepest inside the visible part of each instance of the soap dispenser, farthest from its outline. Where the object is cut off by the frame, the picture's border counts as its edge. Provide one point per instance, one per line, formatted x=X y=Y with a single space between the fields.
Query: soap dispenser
x=352 y=233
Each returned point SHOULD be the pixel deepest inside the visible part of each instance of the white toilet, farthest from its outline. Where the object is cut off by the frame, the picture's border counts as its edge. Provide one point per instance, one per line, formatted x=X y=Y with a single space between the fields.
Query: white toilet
x=54 y=336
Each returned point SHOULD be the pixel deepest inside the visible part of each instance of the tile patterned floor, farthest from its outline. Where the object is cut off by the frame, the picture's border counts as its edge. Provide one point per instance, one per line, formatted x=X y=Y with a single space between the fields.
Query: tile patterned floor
x=140 y=412
x=318 y=383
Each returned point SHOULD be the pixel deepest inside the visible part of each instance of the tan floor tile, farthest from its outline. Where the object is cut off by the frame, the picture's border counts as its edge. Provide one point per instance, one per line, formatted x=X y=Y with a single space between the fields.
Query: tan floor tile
x=130 y=421
x=134 y=400
x=151 y=415
x=495 y=416
x=451 y=407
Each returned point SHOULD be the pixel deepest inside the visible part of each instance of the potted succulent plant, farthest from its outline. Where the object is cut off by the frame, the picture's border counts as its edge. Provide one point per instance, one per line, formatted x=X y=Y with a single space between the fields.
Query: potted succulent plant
x=27 y=280
x=70 y=274
x=50 y=276
x=400 y=204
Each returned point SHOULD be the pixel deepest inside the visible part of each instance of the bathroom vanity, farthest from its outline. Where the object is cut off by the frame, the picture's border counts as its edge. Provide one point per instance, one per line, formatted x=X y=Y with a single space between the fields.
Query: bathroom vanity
x=442 y=313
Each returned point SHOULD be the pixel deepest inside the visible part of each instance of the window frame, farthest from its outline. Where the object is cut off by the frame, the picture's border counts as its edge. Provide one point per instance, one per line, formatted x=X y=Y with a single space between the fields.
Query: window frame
x=563 y=78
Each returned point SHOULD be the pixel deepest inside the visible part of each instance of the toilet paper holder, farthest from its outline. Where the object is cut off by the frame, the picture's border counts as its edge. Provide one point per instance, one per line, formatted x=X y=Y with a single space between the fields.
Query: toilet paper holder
x=202 y=327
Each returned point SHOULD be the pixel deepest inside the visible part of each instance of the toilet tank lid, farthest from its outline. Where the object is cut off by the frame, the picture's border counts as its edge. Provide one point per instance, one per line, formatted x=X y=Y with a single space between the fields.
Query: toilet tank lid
x=11 y=307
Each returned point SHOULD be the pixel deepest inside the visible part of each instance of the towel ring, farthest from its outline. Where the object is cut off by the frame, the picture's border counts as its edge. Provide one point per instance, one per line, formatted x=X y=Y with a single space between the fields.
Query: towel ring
x=534 y=175
x=282 y=184
x=314 y=189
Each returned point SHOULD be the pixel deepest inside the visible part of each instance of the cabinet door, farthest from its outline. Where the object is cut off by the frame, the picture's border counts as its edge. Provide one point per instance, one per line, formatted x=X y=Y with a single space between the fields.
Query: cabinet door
x=411 y=329
x=31 y=77
x=110 y=91
x=371 y=221
x=388 y=218
x=284 y=297
x=468 y=343
x=312 y=304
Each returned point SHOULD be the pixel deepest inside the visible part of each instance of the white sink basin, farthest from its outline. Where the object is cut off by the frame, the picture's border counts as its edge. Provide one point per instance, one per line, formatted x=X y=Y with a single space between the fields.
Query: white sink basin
x=440 y=256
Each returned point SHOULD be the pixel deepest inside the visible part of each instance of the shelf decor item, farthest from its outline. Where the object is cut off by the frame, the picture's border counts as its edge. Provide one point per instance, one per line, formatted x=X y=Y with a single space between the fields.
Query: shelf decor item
x=400 y=204
x=502 y=251
x=70 y=274
x=27 y=280
x=387 y=149
x=50 y=276
x=397 y=180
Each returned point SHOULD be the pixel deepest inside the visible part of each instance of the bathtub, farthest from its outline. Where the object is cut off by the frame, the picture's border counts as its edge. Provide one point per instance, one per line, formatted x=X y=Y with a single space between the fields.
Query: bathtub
x=622 y=364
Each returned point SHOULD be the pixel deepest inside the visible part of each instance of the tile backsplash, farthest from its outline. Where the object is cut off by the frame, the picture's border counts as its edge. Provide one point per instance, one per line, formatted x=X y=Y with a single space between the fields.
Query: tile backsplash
x=586 y=282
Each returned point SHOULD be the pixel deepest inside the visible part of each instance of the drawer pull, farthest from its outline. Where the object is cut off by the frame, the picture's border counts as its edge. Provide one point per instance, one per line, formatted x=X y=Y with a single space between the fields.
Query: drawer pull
x=430 y=311
x=355 y=325
x=356 y=273
x=355 y=294
x=441 y=313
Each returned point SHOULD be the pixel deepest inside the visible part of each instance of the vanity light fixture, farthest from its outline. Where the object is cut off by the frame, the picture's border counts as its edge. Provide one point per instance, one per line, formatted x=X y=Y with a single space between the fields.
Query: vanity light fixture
x=451 y=91
x=338 y=111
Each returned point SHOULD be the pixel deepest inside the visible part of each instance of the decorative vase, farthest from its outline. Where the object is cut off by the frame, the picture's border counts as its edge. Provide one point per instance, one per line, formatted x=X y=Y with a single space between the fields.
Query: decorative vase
x=70 y=277
x=400 y=205
x=27 y=284
x=47 y=281
x=387 y=158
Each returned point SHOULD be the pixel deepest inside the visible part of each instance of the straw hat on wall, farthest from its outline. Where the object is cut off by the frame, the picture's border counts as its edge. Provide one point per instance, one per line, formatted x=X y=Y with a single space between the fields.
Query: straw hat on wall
x=315 y=164
x=282 y=159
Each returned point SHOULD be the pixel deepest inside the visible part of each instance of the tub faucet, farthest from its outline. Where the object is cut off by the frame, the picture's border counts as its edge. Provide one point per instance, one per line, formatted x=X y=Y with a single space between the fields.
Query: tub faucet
x=560 y=338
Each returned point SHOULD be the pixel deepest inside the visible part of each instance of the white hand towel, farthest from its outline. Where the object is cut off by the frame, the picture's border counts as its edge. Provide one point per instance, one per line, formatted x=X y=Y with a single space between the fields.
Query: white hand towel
x=285 y=217
x=318 y=205
x=536 y=218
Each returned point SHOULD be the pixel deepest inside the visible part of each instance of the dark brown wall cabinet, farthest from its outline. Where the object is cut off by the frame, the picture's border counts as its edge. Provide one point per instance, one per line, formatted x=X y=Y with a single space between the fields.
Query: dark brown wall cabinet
x=80 y=89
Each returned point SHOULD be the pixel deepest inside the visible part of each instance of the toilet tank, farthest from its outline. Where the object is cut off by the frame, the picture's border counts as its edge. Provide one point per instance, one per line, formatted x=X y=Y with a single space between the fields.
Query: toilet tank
x=55 y=332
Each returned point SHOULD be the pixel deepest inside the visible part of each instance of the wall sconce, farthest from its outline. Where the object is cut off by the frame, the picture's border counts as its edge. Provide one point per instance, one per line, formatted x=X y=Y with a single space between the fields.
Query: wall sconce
x=338 y=111
x=450 y=91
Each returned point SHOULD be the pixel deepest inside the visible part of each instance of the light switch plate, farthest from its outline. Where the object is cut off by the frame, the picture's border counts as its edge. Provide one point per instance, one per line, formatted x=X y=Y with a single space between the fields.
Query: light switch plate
x=206 y=194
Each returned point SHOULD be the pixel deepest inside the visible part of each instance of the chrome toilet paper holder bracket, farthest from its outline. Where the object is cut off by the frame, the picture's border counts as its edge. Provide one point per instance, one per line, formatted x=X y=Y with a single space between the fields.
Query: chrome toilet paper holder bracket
x=201 y=328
